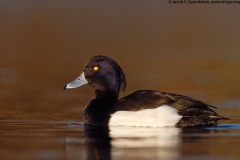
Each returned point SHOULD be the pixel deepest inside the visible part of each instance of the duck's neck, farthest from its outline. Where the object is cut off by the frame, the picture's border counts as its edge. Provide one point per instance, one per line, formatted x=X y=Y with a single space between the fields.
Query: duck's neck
x=107 y=95
x=99 y=109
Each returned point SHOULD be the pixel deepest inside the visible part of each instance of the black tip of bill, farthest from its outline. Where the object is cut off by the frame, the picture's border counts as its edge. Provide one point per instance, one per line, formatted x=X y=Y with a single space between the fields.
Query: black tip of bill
x=65 y=87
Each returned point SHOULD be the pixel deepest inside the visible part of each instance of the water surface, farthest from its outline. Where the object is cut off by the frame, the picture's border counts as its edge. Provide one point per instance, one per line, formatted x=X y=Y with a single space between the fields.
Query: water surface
x=73 y=140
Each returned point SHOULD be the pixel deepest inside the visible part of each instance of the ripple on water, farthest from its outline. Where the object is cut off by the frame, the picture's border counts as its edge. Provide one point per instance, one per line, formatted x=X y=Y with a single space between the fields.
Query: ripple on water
x=225 y=130
x=224 y=127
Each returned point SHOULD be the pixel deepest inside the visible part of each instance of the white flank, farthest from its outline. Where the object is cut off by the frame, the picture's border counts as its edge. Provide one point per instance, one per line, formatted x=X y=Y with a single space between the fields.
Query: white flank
x=162 y=116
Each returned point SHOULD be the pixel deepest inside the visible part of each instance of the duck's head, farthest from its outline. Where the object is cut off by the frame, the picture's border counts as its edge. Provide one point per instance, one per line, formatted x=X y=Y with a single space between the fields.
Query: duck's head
x=104 y=74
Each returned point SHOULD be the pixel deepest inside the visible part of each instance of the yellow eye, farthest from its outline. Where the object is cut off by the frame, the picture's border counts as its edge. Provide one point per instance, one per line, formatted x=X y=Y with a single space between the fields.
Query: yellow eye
x=95 y=68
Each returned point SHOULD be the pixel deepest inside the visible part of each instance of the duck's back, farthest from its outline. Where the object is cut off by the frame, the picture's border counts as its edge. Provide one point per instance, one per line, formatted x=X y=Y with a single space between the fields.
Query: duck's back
x=193 y=111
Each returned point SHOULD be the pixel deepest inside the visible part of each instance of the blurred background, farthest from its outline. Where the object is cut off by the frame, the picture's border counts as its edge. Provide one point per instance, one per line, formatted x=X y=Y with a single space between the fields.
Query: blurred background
x=191 y=49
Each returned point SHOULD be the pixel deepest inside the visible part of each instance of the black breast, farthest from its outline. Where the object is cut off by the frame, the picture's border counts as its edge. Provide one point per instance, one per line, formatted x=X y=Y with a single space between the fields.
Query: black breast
x=97 y=112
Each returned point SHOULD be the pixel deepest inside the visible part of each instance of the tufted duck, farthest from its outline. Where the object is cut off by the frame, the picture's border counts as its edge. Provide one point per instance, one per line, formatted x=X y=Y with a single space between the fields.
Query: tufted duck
x=146 y=108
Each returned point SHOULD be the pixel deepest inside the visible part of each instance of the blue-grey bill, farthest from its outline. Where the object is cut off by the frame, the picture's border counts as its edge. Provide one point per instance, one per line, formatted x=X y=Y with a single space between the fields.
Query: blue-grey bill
x=81 y=80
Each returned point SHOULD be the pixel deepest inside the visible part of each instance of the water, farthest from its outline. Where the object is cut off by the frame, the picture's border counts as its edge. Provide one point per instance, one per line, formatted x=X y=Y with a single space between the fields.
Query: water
x=187 y=49
x=73 y=140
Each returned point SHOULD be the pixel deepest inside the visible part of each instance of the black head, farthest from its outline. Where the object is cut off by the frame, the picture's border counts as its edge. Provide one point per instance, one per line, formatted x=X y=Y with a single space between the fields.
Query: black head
x=104 y=74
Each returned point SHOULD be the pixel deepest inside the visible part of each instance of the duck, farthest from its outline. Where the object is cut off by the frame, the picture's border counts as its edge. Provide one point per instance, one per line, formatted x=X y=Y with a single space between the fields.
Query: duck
x=142 y=108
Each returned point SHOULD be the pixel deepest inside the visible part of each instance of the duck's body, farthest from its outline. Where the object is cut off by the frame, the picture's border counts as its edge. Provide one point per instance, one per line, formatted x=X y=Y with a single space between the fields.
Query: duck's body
x=193 y=111
x=141 y=108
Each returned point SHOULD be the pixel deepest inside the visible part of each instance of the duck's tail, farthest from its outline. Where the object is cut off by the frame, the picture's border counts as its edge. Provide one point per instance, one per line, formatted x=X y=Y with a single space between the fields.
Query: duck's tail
x=203 y=120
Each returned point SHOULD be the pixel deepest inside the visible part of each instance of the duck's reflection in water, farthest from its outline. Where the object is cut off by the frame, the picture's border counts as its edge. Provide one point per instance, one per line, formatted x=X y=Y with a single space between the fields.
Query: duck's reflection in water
x=145 y=143
x=125 y=142
x=95 y=144
x=99 y=143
